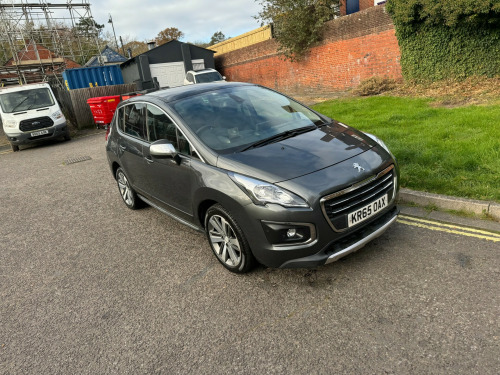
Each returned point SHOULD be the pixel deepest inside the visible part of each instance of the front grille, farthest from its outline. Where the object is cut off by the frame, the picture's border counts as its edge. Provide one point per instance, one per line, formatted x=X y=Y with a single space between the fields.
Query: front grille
x=35 y=123
x=338 y=205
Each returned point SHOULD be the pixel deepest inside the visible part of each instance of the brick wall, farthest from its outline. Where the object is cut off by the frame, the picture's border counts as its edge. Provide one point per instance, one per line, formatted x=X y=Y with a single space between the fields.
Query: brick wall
x=354 y=48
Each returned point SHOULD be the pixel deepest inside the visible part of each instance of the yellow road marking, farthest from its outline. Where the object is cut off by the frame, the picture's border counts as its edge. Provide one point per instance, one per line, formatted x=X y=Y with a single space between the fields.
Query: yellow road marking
x=455 y=229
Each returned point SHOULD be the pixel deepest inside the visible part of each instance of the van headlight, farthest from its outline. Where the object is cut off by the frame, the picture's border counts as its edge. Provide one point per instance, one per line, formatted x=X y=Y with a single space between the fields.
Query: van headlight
x=11 y=124
x=57 y=115
x=263 y=192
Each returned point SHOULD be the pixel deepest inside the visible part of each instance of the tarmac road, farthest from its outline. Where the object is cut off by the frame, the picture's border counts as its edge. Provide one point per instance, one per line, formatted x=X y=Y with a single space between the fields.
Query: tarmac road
x=90 y=287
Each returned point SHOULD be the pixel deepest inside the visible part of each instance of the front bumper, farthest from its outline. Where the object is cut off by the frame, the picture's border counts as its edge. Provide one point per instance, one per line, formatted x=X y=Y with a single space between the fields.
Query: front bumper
x=23 y=138
x=326 y=245
x=340 y=248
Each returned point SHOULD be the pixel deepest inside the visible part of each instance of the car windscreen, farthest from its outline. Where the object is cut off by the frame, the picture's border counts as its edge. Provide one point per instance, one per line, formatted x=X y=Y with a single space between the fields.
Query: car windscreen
x=231 y=119
x=208 y=77
x=24 y=100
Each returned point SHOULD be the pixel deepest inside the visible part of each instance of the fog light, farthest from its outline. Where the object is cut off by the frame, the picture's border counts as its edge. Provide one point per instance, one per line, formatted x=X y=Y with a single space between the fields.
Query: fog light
x=288 y=233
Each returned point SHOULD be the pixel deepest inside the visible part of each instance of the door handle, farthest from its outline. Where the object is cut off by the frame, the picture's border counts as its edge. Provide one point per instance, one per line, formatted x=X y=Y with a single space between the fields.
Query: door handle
x=123 y=148
x=149 y=160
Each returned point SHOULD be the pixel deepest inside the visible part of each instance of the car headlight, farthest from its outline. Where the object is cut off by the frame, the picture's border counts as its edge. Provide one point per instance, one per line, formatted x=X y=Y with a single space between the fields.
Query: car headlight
x=9 y=124
x=380 y=142
x=263 y=192
x=57 y=115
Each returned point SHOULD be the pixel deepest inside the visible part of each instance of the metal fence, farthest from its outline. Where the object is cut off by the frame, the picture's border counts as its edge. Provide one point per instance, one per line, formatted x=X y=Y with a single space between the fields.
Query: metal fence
x=74 y=102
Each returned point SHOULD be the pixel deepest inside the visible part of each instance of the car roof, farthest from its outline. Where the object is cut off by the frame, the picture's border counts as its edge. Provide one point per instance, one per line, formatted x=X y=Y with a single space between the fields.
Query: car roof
x=175 y=93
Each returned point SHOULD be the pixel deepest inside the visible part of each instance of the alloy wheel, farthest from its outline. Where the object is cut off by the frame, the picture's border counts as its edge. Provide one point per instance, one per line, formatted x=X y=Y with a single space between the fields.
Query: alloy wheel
x=224 y=241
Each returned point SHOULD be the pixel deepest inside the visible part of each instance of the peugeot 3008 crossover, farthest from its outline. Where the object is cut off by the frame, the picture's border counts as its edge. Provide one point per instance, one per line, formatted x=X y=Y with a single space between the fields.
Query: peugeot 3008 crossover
x=266 y=178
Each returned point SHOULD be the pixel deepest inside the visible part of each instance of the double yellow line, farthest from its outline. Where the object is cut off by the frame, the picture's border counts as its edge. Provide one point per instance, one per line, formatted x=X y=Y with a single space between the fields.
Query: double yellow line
x=449 y=228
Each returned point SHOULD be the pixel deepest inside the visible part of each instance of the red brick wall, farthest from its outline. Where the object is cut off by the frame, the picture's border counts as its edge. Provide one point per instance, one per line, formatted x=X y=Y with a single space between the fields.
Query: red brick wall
x=354 y=48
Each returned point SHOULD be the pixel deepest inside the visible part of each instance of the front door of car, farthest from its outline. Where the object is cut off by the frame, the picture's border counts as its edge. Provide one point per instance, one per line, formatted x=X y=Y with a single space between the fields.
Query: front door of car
x=132 y=144
x=170 y=180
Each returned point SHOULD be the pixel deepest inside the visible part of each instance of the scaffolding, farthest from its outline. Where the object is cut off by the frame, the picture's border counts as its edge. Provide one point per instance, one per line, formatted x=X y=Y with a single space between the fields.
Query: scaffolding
x=39 y=40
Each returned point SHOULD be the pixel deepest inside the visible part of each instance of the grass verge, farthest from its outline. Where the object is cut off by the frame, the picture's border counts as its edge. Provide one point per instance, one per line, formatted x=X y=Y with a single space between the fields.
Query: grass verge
x=452 y=151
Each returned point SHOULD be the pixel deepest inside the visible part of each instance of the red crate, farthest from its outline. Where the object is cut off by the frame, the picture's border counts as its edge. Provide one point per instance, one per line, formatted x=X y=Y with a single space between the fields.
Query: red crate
x=103 y=108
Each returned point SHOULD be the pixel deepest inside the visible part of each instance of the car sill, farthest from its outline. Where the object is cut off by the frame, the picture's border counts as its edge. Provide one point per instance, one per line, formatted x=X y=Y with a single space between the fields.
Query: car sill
x=360 y=244
x=192 y=226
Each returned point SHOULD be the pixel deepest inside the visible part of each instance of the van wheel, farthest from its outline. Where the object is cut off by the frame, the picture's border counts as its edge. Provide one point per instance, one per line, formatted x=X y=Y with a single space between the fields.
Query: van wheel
x=228 y=241
x=67 y=136
x=14 y=147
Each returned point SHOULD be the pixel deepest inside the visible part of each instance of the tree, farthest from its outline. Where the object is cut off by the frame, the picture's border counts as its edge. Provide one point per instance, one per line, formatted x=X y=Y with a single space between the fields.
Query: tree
x=297 y=24
x=88 y=26
x=170 y=33
x=136 y=47
x=217 y=38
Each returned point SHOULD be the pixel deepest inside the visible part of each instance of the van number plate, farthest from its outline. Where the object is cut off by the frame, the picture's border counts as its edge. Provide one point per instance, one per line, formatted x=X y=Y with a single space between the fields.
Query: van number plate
x=367 y=211
x=41 y=132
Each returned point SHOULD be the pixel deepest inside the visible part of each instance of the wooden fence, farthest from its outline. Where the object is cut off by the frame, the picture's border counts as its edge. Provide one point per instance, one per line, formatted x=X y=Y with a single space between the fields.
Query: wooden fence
x=74 y=102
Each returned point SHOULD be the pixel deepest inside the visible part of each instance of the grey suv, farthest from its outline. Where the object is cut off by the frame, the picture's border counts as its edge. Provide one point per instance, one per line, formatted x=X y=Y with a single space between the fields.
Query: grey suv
x=266 y=178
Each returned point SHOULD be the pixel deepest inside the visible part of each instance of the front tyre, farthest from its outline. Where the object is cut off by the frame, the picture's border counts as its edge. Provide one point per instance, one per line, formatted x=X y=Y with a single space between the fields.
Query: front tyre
x=227 y=240
x=14 y=147
x=128 y=194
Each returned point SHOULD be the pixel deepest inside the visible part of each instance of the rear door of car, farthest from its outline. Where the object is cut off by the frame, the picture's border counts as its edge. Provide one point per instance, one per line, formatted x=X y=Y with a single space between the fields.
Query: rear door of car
x=132 y=142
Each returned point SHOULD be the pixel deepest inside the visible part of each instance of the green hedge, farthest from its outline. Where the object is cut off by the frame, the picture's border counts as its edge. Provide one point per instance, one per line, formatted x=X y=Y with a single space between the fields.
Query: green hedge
x=447 y=39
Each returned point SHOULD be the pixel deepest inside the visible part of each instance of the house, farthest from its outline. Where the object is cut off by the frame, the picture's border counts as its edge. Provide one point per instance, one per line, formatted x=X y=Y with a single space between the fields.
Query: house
x=107 y=56
x=166 y=64
x=34 y=63
x=353 y=6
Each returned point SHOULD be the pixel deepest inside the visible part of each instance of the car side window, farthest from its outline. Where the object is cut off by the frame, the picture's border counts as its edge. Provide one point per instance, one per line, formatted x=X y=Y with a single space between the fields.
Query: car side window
x=134 y=120
x=160 y=126
x=119 y=119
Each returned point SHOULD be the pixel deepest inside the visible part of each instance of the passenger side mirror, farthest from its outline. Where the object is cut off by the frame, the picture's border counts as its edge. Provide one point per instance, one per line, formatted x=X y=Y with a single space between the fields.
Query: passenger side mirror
x=162 y=148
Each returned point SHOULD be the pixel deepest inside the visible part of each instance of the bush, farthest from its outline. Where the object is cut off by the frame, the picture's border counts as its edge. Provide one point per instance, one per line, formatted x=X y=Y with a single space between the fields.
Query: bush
x=442 y=39
x=374 y=86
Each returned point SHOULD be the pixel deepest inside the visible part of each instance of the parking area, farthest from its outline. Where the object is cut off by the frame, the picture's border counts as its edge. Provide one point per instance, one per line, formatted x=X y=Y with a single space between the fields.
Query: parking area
x=91 y=287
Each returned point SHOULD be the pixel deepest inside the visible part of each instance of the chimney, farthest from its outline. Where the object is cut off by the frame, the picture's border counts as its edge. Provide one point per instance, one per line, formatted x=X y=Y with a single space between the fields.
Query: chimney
x=151 y=45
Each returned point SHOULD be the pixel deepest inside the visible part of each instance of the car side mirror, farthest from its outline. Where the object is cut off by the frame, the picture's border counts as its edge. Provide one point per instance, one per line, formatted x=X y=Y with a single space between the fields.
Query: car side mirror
x=164 y=149
x=224 y=78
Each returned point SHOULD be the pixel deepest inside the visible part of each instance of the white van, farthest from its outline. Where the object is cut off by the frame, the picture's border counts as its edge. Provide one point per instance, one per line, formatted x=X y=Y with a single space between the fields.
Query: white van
x=30 y=113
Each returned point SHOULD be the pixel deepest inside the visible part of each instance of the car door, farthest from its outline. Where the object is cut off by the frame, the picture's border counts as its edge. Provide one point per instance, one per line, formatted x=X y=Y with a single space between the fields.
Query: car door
x=132 y=143
x=170 y=181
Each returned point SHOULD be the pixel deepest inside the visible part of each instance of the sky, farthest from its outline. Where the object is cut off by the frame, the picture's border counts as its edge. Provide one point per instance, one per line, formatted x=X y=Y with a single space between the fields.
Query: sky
x=197 y=19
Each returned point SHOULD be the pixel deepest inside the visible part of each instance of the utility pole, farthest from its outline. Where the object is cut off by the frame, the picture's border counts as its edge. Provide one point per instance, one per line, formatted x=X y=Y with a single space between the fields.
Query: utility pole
x=113 y=26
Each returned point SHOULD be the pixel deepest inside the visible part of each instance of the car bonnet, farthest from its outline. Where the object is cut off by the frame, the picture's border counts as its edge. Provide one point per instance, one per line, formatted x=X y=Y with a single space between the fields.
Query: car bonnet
x=300 y=155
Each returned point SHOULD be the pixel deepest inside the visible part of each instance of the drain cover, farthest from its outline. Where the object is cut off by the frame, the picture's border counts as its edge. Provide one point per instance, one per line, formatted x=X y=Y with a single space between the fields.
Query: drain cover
x=77 y=159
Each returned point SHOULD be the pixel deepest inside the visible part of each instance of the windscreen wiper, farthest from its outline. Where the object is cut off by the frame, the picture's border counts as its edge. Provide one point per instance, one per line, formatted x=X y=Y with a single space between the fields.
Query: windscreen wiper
x=280 y=136
x=21 y=102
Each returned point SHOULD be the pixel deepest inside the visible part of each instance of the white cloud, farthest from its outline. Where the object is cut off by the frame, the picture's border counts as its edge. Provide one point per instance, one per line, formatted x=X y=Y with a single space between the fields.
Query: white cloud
x=197 y=19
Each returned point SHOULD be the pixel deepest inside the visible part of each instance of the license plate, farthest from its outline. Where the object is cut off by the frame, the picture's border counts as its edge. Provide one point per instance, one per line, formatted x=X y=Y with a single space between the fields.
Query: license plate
x=41 y=132
x=364 y=213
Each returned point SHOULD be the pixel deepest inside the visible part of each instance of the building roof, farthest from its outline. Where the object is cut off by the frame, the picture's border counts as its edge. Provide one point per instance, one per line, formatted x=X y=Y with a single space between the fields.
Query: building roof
x=110 y=57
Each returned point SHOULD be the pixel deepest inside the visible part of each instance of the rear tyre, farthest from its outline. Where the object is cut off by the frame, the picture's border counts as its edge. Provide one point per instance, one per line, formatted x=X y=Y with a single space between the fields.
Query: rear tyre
x=14 y=147
x=128 y=194
x=228 y=241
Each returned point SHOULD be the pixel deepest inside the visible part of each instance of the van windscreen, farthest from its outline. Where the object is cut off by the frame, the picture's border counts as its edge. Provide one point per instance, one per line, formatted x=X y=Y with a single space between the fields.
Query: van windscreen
x=24 y=100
